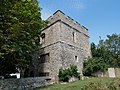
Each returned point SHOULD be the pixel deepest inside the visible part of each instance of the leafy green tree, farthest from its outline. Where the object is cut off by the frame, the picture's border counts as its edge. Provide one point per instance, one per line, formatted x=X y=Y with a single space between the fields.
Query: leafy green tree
x=93 y=49
x=20 y=28
x=94 y=64
x=104 y=55
x=110 y=50
x=113 y=47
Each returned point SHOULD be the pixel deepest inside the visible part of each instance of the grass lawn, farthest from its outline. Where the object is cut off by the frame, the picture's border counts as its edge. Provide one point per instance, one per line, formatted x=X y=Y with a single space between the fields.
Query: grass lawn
x=77 y=85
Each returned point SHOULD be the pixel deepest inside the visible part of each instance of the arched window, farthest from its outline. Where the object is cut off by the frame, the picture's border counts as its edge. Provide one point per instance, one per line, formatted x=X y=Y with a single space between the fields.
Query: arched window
x=43 y=37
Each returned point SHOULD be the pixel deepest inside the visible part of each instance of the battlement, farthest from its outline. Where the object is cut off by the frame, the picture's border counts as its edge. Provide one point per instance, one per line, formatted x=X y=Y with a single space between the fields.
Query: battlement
x=65 y=43
x=59 y=15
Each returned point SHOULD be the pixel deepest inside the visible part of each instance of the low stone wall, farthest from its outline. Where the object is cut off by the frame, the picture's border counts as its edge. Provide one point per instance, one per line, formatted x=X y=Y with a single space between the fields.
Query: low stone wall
x=117 y=72
x=24 y=83
x=111 y=72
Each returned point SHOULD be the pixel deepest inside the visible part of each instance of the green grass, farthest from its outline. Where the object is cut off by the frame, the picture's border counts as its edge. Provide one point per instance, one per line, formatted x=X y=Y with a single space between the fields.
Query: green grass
x=77 y=85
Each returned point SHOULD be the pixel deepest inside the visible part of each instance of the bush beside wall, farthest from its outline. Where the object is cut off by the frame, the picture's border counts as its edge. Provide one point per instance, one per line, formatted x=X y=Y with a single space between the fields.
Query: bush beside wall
x=66 y=74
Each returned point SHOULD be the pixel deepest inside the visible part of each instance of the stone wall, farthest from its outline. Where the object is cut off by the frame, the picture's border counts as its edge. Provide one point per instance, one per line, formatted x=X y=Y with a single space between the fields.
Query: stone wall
x=59 y=15
x=68 y=54
x=67 y=43
x=117 y=72
x=81 y=41
x=24 y=83
x=111 y=72
x=61 y=28
x=53 y=65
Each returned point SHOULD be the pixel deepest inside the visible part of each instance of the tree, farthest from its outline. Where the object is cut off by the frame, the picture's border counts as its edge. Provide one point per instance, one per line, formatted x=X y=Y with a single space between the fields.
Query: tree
x=110 y=50
x=104 y=55
x=20 y=30
x=113 y=47
x=93 y=65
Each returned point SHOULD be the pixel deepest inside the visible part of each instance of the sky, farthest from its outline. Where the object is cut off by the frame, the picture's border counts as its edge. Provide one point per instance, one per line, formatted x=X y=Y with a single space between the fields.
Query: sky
x=101 y=17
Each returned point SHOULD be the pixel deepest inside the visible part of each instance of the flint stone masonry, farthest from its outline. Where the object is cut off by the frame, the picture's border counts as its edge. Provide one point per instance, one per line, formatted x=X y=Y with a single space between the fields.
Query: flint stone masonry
x=59 y=15
x=24 y=83
x=67 y=43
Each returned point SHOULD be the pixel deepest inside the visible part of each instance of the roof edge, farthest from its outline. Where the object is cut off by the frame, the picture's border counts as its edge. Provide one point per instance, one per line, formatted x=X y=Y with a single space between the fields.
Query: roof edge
x=58 y=11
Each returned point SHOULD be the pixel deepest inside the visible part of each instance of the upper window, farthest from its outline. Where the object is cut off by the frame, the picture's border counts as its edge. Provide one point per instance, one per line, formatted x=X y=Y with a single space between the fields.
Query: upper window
x=43 y=37
x=74 y=36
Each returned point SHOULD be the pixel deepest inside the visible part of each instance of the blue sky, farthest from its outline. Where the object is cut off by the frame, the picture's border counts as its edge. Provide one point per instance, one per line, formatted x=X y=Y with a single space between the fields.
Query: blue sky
x=101 y=17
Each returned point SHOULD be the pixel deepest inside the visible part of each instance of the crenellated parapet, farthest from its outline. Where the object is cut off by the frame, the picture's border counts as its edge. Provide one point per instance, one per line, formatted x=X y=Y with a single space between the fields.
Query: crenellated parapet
x=59 y=15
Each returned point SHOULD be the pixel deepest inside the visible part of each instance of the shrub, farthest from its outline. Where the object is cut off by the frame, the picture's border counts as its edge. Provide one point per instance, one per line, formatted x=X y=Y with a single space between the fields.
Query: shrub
x=94 y=64
x=66 y=74
x=98 y=86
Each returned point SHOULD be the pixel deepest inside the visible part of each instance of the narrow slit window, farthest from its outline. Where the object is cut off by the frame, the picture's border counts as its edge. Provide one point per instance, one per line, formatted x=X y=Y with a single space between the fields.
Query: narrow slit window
x=74 y=36
x=76 y=58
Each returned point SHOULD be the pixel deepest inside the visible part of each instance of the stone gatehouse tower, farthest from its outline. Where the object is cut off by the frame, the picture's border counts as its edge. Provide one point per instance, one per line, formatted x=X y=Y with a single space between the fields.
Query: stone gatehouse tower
x=64 y=42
